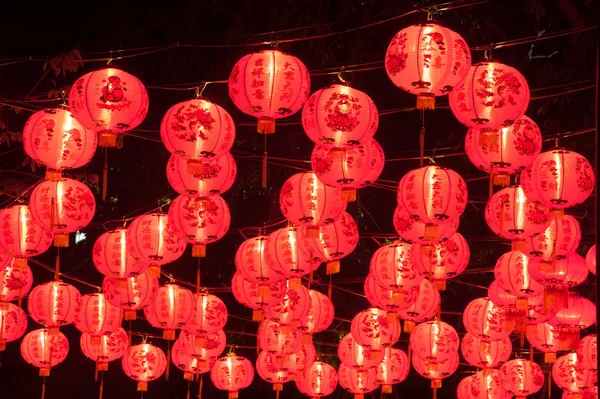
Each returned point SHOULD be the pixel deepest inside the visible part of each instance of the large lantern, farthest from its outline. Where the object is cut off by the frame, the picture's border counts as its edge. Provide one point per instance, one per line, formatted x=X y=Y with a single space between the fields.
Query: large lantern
x=275 y=339
x=197 y=131
x=512 y=275
x=567 y=374
x=434 y=341
x=352 y=354
x=320 y=315
x=54 y=304
x=590 y=259
x=487 y=385
x=544 y=338
x=373 y=329
x=15 y=283
x=104 y=349
x=247 y=293
x=427 y=60
x=44 y=350
x=131 y=293
x=486 y=355
x=357 y=382
x=318 y=380
x=269 y=85
x=487 y=321
x=251 y=262
x=293 y=307
x=587 y=352
x=339 y=117
x=521 y=377
x=578 y=314
x=54 y=138
x=109 y=101
x=269 y=371
x=436 y=371
x=170 y=309
x=13 y=324
x=423 y=309
x=111 y=257
x=393 y=267
x=393 y=369
x=413 y=231
x=285 y=253
x=209 y=315
x=560 y=239
x=144 y=363
x=387 y=299
x=232 y=373
x=97 y=316
x=217 y=176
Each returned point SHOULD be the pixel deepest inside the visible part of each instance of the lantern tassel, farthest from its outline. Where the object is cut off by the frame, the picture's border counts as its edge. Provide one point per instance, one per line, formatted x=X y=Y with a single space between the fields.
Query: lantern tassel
x=153 y=271
x=263 y=179
x=558 y=214
x=101 y=390
x=198 y=277
x=57 y=268
x=200 y=384
x=409 y=326
x=107 y=138
x=257 y=315
x=329 y=290
x=264 y=291
x=96 y=373
x=386 y=389
x=549 y=378
x=518 y=245
x=168 y=370
x=425 y=101
x=104 y=181
x=43 y=387
x=313 y=231
x=198 y=250
x=266 y=125
x=333 y=267
x=501 y=180
x=422 y=146
x=550 y=357
x=294 y=283
x=349 y=194
x=431 y=232
x=187 y=395
x=409 y=352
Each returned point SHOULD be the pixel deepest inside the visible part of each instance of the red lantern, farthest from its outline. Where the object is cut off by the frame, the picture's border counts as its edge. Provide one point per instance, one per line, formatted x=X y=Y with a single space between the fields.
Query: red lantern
x=320 y=314
x=486 y=355
x=109 y=101
x=544 y=338
x=349 y=170
x=97 y=316
x=268 y=370
x=389 y=300
x=299 y=361
x=217 y=176
x=318 y=380
x=587 y=352
x=191 y=366
x=55 y=139
x=560 y=239
x=427 y=60
x=54 y=304
x=104 y=349
x=20 y=236
x=436 y=371
x=15 y=282
x=247 y=293
x=424 y=308
x=209 y=315
x=293 y=307
x=393 y=369
x=521 y=377
x=111 y=257
x=251 y=262
x=538 y=313
x=62 y=206
x=144 y=363
x=202 y=346
x=487 y=321
x=285 y=254
x=413 y=231
x=199 y=221
x=130 y=294
x=579 y=314
x=198 y=131
x=276 y=339
x=357 y=382
x=443 y=260
x=170 y=309
x=487 y=385
x=567 y=374
x=591 y=393
x=393 y=267
x=434 y=341
x=512 y=275
x=463 y=391
x=352 y=354
x=432 y=195
x=232 y=373
x=13 y=324
x=590 y=259
x=558 y=179
x=269 y=85
x=44 y=350
x=373 y=329
x=339 y=117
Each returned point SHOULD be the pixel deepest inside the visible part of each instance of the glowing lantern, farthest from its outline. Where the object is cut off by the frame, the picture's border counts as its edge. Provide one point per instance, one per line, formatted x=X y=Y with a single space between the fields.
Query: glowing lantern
x=442 y=261
x=352 y=354
x=251 y=263
x=44 y=350
x=144 y=363
x=590 y=259
x=320 y=314
x=393 y=267
x=591 y=393
x=54 y=138
x=299 y=361
x=424 y=308
x=521 y=377
x=217 y=176
x=109 y=101
x=269 y=85
x=197 y=131
x=97 y=316
x=170 y=309
x=393 y=369
x=544 y=338
x=202 y=346
x=232 y=373
x=578 y=314
x=561 y=238
x=209 y=315
x=486 y=355
x=318 y=380
x=587 y=352
x=247 y=293
x=104 y=349
x=567 y=374
x=427 y=60
x=276 y=339
x=267 y=369
x=285 y=254
x=13 y=324
x=512 y=275
x=432 y=195
x=487 y=385
x=387 y=299
x=15 y=282
x=357 y=382
x=558 y=179
x=436 y=371
x=54 y=304
x=463 y=391
x=130 y=294
x=111 y=257
x=487 y=321
x=538 y=313
x=191 y=366
x=504 y=300
x=373 y=329
x=413 y=231
x=434 y=341
x=293 y=307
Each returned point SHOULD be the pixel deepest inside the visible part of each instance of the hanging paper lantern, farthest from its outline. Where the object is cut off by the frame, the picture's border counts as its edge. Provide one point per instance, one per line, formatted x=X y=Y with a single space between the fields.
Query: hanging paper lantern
x=285 y=254
x=277 y=339
x=269 y=371
x=104 y=349
x=463 y=391
x=232 y=373
x=538 y=313
x=13 y=324
x=427 y=60
x=590 y=259
x=320 y=314
x=434 y=341
x=561 y=238
x=487 y=385
x=62 y=206
x=521 y=377
x=144 y=363
x=393 y=369
x=217 y=176
x=247 y=293
x=567 y=374
x=293 y=307
x=442 y=261
x=373 y=329
x=170 y=309
x=199 y=221
x=44 y=350
x=512 y=275
x=111 y=257
x=486 y=355
x=424 y=308
x=55 y=139
x=513 y=149
x=318 y=380
x=591 y=393
x=130 y=294
x=587 y=352
x=202 y=346
x=486 y=321
x=298 y=362
x=15 y=282
x=97 y=316
x=544 y=338
x=198 y=131
x=352 y=354
x=413 y=231
x=191 y=366
x=250 y=261
x=436 y=371
x=20 y=236
x=432 y=195
x=54 y=304
x=578 y=314
x=110 y=102
x=393 y=267
x=357 y=382
x=387 y=299
x=209 y=315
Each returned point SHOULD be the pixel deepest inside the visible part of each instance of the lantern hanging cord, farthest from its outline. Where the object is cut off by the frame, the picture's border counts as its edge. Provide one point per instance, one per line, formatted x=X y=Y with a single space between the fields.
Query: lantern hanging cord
x=63 y=275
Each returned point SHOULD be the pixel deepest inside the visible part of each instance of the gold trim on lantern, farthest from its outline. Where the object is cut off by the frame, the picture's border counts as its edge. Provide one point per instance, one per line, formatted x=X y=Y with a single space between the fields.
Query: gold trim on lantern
x=431 y=232
x=153 y=271
x=409 y=326
x=61 y=239
x=425 y=101
x=333 y=267
x=142 y=386
x=107 y=138
x=44 y=372
x=349 y=194
x=440 y=284
x=169 y=335
x=52 y=174
x=258 y=315
x=265 y=126
x=550 y=357
x=130 y=315
x=198 y=250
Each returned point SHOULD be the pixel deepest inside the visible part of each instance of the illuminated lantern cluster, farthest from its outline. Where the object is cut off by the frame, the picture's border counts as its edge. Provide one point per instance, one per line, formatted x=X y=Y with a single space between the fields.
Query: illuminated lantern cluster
x=587 y=352
x=111 y=257
x=373 y=329
x=578 y=314
x=251 y=263
x=413 y=231
x=357 y=382
x=130 y=294
x=567 y=374
x=486 y=355
x=13 y=324
x=232 y=373
x=44 y=350
x=104 y=349
x=521 y=377
x=97 y=316
x=248 y=294
x=318 y=380
x=560 y=239
x=144 y=363
x=393 y=369
x=54 y=304
x=170 y=309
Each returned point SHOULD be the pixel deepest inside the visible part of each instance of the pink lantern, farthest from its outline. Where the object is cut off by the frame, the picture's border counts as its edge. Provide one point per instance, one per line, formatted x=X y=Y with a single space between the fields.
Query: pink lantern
x=320 y=315
x=104 y=349
x=486 y=355
x=251 y=263
x=232 y=373
x=590 y=259
x=512 y=275
x=20 y=236
x=521 y=377
x=434 y=341
x=54 y=304
x=191 y=366
x=487 y=321
x=578 y=314
x=544 y=338
x=425 y=307
x=487 y=385
x=247 y=293
x=299 y=361
x=352 y=354
x=170 y=309
x=13 y=324
x=463 y=391
x=111 y=257
x=44 y=350
x=591 y=393
x=276 y=339
x=413 y=231
x=393 y=267
x=393 y=369
x=269 y=85
x=203 y=346
x=373 y=329
x=144 y=363
x=285 y=254
x=97 y=316
x=15 y=282
x=269 y=371
x=567 y=374
x=293 y=307
x=357 y=382
x=209 y=315
x=318 y=380
x=387 y=299
x=217 y=176
x=560 y=239
x=110 y=102
x=130 y=294
x=436 y=371
x=199 y=221
x=587 y=352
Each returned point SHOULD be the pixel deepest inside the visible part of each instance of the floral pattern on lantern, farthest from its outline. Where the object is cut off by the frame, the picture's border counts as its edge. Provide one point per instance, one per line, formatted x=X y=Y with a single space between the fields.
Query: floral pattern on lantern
x=275 y=339
x=248 y=294
x=567 y=374
x=512 y=275
x=434 y=341
x=387 y=299
x=587 y=352
x=217 y=176
x=487 y=321
x=144 y=363
x=318 y=380
x=170 y=309
x=357 y=382
x=521 y=377
x=106 y=348
x=373 y=329
x=463 y=391
x=561 y=238
x=250 y=261
x=97 y=316
x=413 y=231
x=54 y=304
x=44 y=350
x=544 y=338
x=320 y=314
x=285 y=253
x=352 y=354
x=293 y=307
x=203 y=346
x=13 y=323
x=393 y=369
x=111 y=257
x=209 y=315
x=232 y=373
x=15 y=283
x=424 y=308
x=269 y=371
x=393 y=267
x=436 y=371
x=299 y=361
x=489 y=355
x=130 y=294
x=20 y=236
x=487 y=385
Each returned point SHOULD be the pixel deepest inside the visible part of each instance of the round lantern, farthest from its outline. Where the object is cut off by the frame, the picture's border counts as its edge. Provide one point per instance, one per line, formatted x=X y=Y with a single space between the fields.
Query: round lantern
x=544 y=338
x=442 y=261
x=191 y=366
x=393 y=369
x=269 y=85
x=13 y=324
x=232 y=373
x=199 y=221
x=591 y=393
x=104 y=349
x=251 y=262
x=512 y=275
x=558 y=179
x=97 y=316
x=587 y=352
x=521 y=377
x=267 y=369
x=413 y=231
x=436 y=371
x=373 y=329
x=393 y=267
x=339 y=117
x=434 y=341
x=55 y=139
x=15 y=282
x=567 y=374
x=247 y=293
x=130 y=294
x=515 y=148
x=578 y=314
x=62 y=206
x=20 y=236
x=44 y=350
x=209 y=315
x=424 y=308
x=590 y=259
x=487 y=385
x=285 y=254
x=293 y=307
x=561 y=238
x=463 y=391
x=217 y=176
x=318 y=380
x=152 y=239
x=170 y=309
x=54 y=304
x=387 y=299
x=352 y=354
x=111 y=257
x=203 y=346
x=487 y=321
x=320 y=314
x=109 y=101
x=427 y=60
x=278 y=340
x=432 y=194
x=357 y=382
x=486 y=355
x=144 y=363
x=197 y=131
x=538 y=313
x=299 y=361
